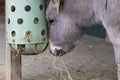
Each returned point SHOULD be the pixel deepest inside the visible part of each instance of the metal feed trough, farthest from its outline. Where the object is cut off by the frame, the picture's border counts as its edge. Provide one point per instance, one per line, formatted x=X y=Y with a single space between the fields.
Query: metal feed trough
x=26 y=29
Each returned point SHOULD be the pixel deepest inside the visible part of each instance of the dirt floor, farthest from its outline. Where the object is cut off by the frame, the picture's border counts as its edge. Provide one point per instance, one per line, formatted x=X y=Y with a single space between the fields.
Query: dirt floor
x=92 y=59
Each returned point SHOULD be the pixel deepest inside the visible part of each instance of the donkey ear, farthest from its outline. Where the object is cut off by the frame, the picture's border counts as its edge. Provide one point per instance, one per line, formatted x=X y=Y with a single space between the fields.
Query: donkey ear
x=56 y=4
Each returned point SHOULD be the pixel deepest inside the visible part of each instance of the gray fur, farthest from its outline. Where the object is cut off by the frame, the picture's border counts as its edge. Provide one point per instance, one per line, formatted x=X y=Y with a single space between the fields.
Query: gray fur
x=74 y=15
x=67 y=26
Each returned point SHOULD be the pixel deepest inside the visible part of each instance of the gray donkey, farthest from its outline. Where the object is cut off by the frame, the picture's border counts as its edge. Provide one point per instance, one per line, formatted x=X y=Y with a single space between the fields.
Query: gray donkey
x=68 y=18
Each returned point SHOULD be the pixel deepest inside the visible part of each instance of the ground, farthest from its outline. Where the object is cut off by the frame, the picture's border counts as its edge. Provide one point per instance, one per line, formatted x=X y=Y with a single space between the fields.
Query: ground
x=92 y=59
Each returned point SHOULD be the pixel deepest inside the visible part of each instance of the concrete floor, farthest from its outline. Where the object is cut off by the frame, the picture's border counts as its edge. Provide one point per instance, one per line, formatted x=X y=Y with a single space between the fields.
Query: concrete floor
x=92 y=59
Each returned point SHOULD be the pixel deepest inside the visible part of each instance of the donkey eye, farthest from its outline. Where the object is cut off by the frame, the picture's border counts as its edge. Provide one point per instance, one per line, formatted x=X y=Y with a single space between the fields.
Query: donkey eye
x=51 y=21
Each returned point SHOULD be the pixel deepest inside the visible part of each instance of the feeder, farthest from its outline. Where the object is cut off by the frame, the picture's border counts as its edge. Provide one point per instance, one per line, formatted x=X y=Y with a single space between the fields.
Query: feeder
x=26 y=29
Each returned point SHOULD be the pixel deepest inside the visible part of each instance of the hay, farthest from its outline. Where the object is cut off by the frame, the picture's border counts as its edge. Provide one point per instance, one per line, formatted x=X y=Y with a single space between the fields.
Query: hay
x=58 y=70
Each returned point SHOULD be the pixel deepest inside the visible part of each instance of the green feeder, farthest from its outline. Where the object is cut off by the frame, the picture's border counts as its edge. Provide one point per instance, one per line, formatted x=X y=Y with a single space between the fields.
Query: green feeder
x=26 y=29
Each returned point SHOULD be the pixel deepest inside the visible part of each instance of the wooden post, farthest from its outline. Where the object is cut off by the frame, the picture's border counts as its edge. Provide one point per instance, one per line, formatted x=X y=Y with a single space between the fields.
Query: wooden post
x=13 y=65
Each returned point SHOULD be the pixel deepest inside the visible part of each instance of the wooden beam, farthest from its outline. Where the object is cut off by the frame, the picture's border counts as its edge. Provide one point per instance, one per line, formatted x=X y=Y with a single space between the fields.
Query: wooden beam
x=13 y=65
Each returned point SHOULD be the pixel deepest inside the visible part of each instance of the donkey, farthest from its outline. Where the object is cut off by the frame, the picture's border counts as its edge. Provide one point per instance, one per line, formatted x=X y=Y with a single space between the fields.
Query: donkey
x=67 y=19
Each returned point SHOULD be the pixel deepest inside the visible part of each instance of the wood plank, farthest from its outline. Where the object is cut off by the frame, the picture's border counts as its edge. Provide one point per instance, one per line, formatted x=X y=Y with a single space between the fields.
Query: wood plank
x=8 y=63
x=13 y=65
